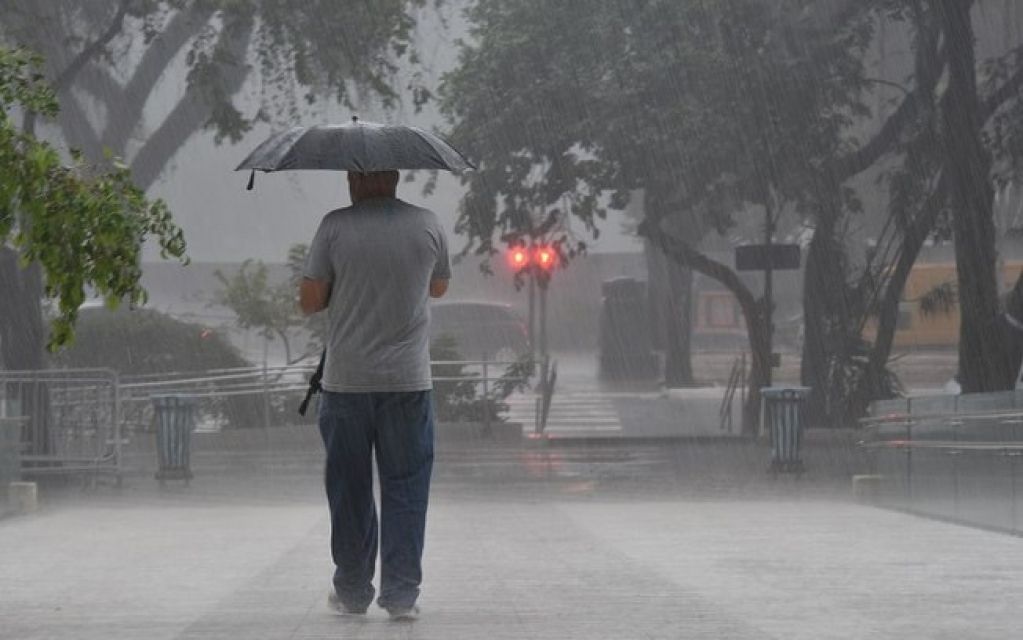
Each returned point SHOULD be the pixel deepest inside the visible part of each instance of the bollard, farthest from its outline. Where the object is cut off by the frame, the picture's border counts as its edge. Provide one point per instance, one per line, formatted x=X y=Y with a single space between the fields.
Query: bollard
x=23 y=496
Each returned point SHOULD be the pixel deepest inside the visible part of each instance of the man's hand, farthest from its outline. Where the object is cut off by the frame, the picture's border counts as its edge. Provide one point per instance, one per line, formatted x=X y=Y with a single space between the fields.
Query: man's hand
x=438 y=288
x=313 y=295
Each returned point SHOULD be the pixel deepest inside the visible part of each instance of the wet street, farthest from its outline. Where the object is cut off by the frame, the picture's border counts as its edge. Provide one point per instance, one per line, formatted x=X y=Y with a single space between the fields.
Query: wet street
x=243 y=554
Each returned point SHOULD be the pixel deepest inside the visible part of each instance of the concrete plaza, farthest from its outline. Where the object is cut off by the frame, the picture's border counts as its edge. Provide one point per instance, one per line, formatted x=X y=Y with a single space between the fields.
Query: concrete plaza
x=575 y=553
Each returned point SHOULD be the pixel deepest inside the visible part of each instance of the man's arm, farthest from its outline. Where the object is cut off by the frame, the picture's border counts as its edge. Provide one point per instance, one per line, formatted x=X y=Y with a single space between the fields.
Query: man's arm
x=438 y=287
x=314 y=295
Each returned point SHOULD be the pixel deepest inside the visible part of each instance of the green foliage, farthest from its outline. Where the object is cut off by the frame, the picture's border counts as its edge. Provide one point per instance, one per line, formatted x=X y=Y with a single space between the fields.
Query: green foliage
x=941 y=300
x=83 y=224
x=711 y=109
x=143 y=342
x=847 y=383
x=294 y=56
x=705 y=106
x=457 y=393
x=272 y=309
x=24 y=83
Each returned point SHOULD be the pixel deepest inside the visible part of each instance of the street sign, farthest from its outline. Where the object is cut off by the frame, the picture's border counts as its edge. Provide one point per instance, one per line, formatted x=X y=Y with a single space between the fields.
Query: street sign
x=760 y=257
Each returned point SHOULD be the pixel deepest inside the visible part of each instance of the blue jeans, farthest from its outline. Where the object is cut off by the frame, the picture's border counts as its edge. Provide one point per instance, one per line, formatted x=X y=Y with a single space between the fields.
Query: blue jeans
x=396 y=427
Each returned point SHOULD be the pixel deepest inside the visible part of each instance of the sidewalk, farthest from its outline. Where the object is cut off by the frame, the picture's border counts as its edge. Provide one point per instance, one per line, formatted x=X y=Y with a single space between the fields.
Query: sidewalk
x=228 y=558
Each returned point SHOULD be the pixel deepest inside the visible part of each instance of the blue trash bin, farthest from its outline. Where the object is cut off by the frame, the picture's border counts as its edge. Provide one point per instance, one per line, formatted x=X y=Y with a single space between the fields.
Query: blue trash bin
x=784 y=414
x=174 y=416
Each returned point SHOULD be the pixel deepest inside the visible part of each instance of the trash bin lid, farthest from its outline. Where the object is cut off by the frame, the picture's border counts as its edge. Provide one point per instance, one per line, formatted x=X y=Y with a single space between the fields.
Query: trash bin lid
x=777 y=392
x=171 y=399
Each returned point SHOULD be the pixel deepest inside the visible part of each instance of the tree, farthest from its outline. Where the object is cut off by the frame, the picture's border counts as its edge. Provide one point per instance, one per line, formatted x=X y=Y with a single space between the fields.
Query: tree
x=457 y=391
x=956 y=133
x=80 y=226
x=712 y=111
x=272 y=309
x=106 y=60
x=718 y=110
x=145 y=342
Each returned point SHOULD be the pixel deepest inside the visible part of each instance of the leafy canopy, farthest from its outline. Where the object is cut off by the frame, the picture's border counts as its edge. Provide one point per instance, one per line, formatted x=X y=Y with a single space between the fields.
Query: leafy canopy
x=83 y=225
x=113 y=53
x=704 y=106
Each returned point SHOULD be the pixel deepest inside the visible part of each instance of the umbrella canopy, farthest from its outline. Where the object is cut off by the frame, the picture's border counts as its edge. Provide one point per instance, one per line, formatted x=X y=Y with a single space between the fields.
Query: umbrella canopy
x=355 y=146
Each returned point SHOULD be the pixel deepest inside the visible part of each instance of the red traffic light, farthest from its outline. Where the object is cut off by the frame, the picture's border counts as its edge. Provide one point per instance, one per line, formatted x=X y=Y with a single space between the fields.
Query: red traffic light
x=542 y=257
x=546 y=258
x=518 y=258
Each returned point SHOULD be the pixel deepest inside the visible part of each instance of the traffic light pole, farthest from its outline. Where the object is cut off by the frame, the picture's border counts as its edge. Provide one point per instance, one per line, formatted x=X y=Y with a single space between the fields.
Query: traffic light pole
x=536 y=262
x=543 y=317
x=531 y=325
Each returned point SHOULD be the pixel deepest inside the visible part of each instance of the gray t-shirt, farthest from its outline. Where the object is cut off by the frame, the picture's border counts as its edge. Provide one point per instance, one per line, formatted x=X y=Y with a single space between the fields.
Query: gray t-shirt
x=378 y=256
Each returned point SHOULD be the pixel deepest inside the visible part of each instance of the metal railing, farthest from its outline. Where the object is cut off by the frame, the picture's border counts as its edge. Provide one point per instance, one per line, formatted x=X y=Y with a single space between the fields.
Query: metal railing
x=77 y=421
x=736 y=382
x=958 y=458
x=69 y=417
x=251 y=396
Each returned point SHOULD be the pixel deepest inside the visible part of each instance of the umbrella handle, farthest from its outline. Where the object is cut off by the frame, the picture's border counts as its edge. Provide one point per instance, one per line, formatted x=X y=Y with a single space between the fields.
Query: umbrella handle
x=252 y=181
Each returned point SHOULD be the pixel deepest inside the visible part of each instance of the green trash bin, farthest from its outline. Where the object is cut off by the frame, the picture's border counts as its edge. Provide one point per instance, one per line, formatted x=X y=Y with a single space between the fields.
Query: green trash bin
x=784 y=414
x=174 y=416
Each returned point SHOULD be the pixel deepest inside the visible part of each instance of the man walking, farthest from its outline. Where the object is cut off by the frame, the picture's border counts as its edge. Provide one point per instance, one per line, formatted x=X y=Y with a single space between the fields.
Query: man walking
x=372 y=266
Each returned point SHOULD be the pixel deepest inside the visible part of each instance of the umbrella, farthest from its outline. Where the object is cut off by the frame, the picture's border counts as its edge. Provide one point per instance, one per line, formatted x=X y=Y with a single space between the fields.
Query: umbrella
x=355 y=146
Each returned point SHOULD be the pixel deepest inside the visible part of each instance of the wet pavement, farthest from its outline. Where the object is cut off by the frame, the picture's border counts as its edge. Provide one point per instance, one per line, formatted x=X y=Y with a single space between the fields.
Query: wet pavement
x=209 y=565
x=525 y=541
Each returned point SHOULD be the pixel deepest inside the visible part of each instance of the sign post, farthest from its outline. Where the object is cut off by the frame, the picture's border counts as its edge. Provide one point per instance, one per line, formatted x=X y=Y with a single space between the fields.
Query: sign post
x=768 y=257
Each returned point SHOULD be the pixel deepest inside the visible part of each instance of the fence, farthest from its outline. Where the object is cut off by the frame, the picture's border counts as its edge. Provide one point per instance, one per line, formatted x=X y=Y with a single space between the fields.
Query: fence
x=69 y=419
x=958 y=458
x=78 y=421
x=242 y=397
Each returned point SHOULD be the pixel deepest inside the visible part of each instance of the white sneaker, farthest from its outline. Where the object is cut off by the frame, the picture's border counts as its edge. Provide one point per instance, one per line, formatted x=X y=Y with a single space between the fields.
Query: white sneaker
x=403 y=614
x=334 y=602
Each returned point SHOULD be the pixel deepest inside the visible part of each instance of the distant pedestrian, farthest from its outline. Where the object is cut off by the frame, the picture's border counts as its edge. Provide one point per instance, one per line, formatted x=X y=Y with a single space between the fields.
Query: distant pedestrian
x=372 y=266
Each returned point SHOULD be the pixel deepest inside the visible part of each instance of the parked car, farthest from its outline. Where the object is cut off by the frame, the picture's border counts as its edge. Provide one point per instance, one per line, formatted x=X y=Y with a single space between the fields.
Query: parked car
x=481 y=330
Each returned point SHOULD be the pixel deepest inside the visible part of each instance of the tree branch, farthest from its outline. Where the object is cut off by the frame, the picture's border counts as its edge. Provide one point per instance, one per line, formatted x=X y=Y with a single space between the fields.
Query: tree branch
x=66 y=77
x=127 y=114
x=928 y=64
x=1009 y=89
x=188 y=116
x=76 y=127
x=685 y=255
x=851 y=164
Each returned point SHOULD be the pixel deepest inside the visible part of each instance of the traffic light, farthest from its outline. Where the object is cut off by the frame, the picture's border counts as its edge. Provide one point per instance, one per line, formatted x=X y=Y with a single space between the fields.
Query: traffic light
x=537 y=260
x=518 y=258
x=546 y=258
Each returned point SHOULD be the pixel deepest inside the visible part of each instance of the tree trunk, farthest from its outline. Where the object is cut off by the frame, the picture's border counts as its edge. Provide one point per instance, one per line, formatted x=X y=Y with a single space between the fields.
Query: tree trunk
x=22 y=336
x=21 y=322
x=828 y=319
x=670 y=291
x=678 y=362
x=983 y=361
x=752 y=309
x=913 y=238
x=814 y=366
